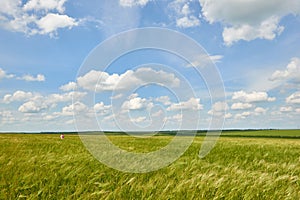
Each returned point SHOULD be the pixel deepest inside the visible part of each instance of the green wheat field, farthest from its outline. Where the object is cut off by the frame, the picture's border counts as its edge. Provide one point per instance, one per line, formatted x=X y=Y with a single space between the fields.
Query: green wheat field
x=243 y=165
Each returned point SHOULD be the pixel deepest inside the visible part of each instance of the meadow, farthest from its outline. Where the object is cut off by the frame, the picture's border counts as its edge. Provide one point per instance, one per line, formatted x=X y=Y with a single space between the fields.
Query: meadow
x=42 y=166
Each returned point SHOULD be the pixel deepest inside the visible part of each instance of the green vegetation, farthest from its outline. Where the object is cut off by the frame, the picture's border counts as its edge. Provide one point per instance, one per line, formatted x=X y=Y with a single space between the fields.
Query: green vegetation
x=263 y=133
x=41 y=166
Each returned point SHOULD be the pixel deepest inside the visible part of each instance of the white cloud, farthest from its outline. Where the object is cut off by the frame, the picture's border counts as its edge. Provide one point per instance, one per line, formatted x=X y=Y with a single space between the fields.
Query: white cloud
x=51 y=22
x=35 y=16
x=256 y=112
x=191 y=104
x=187 y=22
x=45 y=5
x=138 y=119
x=185 y=9
x=178 y=117
x=241 y=106
x=50 y=117
x=102 y=81
x=218 y=109
x=242 y=115
x=220 y=106
x=90 y=80
x=286 y=109
x=35 y=102
x=3 y=74
x=65 y=97
x=165 y=100
x=77 y=107
x=292 y=71
x=248 y=20
x=293 y=98
x=137 y=103
x=268 y=30
x=216 y=58
x=131 y=3
x=10 y=7
x=149 y=75
x=71 y=121
x=68 y=87
x=102 y=108
x=252 y=97
x=183 y=14
x=27 y=77
x=204 y=60
x=117 y=96
x=228 y=115
x=39 y=78
x=7 y=117
x=259 y=110
x=297 y=110
x=32 y=107
x=17 y=96
x=159 y=113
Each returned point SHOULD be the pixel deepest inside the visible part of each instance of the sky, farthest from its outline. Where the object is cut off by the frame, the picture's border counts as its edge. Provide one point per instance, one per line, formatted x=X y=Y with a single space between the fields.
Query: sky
x=62 y=67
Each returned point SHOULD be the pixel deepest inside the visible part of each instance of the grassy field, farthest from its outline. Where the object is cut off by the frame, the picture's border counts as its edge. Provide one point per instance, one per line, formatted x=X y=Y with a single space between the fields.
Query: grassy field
x=264 y=133
x=41 y=166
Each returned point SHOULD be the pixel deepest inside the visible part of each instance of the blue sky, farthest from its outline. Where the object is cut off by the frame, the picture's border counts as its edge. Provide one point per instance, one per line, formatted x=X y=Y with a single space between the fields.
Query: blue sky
x=46 y=46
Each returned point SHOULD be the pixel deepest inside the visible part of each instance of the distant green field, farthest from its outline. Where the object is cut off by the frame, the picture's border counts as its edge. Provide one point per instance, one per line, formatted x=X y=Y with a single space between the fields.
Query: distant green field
x=41 y=166
x=264 y=133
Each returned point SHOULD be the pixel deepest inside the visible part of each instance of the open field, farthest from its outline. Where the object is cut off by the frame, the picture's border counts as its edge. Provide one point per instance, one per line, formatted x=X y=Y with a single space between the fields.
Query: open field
x=41 y=166
x=263 y=133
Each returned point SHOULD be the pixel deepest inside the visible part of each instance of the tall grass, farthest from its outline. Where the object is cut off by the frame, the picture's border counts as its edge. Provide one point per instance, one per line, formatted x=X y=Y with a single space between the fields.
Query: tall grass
x=45 y=167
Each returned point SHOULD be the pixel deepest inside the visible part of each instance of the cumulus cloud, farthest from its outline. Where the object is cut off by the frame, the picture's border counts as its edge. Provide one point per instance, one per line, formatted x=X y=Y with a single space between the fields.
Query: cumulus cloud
x=65 y=97
x=32 y=107
x=165 y=100
x=3 y=74
x=219 y=108
x=138 y=119
x=17 y=96
x=259 y=111
x=39 y=78
x=242 y=115
x=77 y=107
x=35 y=16
x=183 y=14
x=256 y=112
x=228 y=115
x=51 y=22
x=248 y=20
x=7 y=117
x=27 y=77
x=90 y=80
x=267 y=29
x=177 y=117
x=286 y=109
x=35 y=102
x=293 y=98
x=68 y=87
x=191 y=104
x=137 y=103
x=45 y=5
x=187 y=22
x=102 y=81
x=241 y=106
x=50 y=117
x=102 y=108
x=292 y=71
x=131 y=3
x=252 y=97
